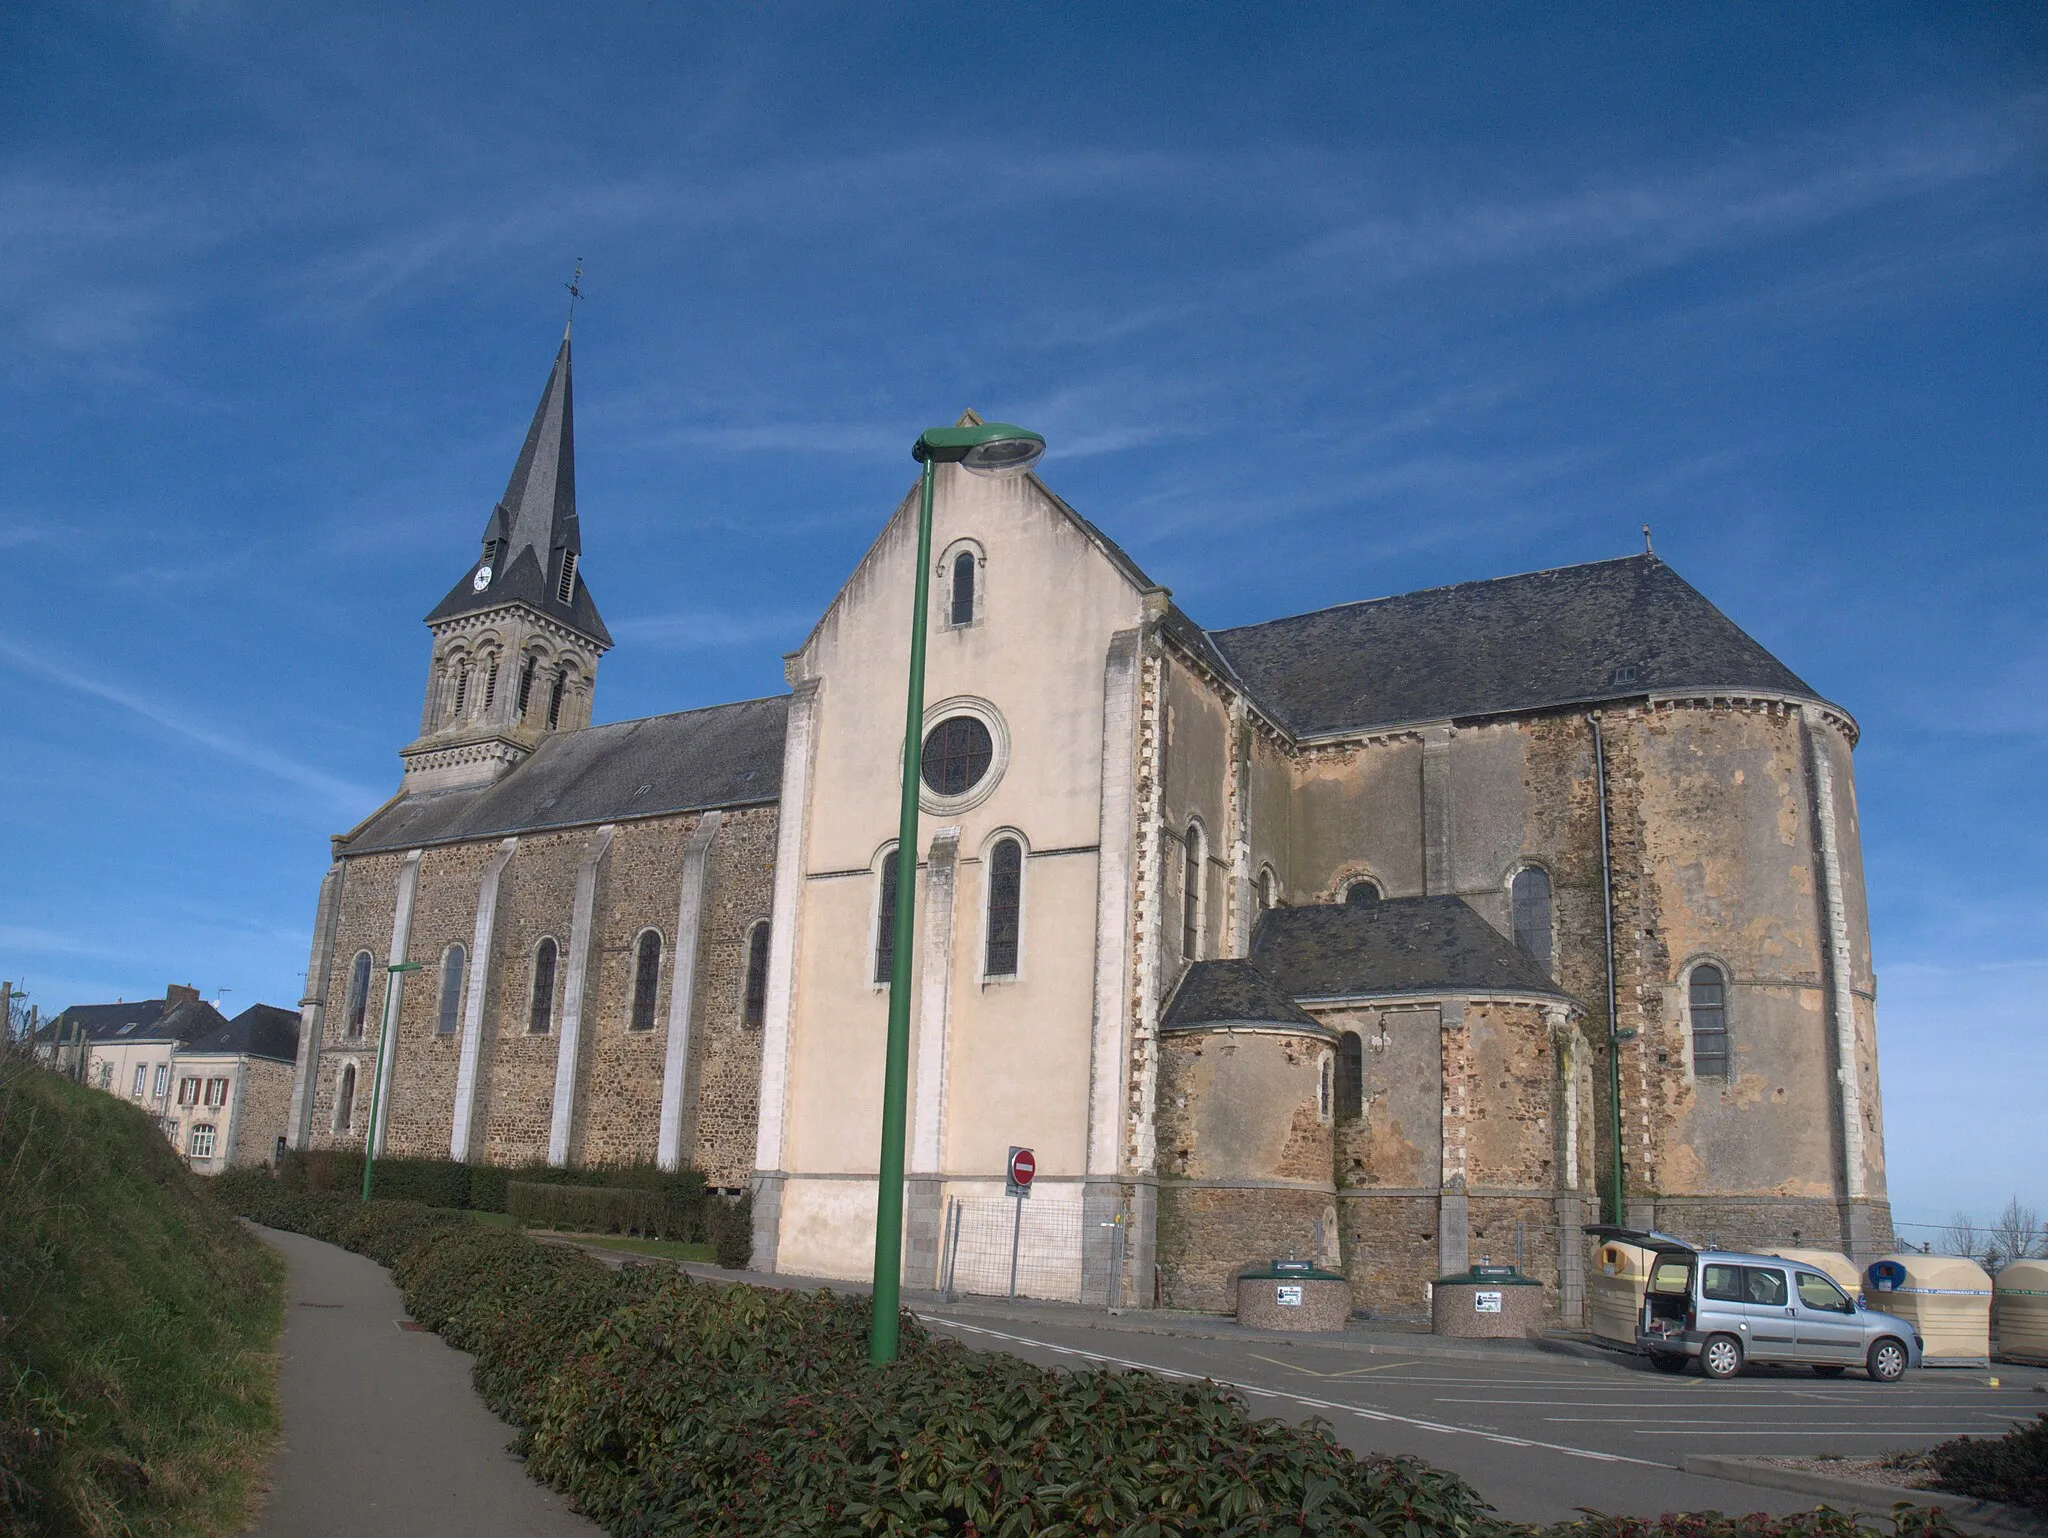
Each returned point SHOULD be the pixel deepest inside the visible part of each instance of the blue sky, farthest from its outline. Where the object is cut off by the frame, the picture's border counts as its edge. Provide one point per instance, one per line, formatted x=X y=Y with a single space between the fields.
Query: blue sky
x=1314 y=304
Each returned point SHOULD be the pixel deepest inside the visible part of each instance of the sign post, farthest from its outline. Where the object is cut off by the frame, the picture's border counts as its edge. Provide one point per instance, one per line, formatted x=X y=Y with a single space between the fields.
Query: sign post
x=1023 y=1168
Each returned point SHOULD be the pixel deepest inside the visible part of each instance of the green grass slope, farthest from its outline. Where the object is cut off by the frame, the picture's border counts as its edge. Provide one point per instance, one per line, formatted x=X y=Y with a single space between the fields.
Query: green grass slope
x=137 y=1326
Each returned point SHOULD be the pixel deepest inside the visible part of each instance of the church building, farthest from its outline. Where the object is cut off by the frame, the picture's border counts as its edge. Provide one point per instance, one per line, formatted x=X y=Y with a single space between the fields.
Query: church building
x=1403 y=934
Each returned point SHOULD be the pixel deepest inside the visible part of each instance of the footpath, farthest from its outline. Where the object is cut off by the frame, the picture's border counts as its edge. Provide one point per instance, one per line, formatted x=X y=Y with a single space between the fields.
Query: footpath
x=383 y=1433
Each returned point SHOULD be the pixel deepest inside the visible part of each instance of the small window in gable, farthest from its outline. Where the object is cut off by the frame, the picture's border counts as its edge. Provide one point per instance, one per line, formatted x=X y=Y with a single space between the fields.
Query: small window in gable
x=542 y=1015
x=1708 y=1000
x=754 y=1005
x=1005 y=907
x=646 y=980
x=1362 y=893
x=963 y=588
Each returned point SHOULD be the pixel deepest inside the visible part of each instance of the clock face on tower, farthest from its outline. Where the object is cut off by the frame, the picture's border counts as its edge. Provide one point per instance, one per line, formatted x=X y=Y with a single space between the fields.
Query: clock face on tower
x=482 y=579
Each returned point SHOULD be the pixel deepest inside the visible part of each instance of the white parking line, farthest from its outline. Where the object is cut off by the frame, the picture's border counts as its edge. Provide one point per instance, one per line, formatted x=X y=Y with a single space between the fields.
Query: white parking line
x=1300 y=1399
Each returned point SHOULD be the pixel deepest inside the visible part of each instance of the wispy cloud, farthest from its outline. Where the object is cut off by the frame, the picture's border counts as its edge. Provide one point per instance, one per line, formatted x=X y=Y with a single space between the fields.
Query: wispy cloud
x=714 y=630
x=25 y=939
x=179 y=722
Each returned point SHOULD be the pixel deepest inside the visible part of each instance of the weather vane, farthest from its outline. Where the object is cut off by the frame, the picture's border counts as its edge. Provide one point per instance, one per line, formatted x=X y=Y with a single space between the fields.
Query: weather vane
x=574 y=286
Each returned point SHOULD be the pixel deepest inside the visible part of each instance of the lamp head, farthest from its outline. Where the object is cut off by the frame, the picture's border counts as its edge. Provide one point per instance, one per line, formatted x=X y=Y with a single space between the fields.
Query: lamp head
x=987 y=448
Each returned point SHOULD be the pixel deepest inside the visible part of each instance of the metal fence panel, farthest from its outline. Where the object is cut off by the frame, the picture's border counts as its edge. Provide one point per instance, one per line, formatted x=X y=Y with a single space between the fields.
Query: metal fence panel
x=986 y=1238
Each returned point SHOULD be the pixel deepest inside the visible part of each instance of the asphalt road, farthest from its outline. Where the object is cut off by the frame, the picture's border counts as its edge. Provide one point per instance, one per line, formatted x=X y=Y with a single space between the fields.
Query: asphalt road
x=1541 y=1437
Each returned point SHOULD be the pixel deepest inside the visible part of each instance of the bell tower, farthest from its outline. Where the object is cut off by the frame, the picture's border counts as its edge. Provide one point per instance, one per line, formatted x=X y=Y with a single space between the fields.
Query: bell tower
x=517 y=640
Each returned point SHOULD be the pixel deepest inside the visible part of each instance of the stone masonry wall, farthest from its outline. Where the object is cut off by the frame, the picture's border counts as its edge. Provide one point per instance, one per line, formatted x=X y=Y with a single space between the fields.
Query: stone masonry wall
x=266 y=1102
x=723 y=1105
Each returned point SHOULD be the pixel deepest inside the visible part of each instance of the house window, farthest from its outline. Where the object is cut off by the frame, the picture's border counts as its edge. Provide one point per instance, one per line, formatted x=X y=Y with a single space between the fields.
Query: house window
x=885 y=920
x=1530 y=898
x=957 y=754
x=754 y=1006
x=1708 y=997
x=963 y=588
x=1005 y=907
x=358 y=992
x=201 y=1146
x=345 y=1099
x=188 y=1091
x=1362 y=893
x=142 y=1079
x=1191 y=893
x=216 y=1092
x=106 y=1076
x=542 y=1015
x=646 y=979
x=163 y=1080
x=1350 y=1077
x=454 y=967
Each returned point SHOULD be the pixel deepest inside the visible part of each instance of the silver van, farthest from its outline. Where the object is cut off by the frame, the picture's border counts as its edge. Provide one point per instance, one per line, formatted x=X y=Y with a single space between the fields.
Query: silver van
x=1727 y=1309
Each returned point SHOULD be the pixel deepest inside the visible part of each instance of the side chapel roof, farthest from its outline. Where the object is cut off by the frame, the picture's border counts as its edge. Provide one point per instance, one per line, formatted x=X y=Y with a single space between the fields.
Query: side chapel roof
x=693 y=760
x=1570 y=636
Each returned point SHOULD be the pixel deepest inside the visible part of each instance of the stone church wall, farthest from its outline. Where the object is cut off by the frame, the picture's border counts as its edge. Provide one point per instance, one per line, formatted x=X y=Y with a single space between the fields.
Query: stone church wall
x=722 y=1103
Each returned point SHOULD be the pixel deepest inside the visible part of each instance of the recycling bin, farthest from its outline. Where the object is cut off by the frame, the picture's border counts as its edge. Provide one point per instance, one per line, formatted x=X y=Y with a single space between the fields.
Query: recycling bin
x=1837 y=1267
x=1947 y=1299
x=1615 y=1278
x=1487 y=1303
x=2019 y=1307
x=1293 y=1295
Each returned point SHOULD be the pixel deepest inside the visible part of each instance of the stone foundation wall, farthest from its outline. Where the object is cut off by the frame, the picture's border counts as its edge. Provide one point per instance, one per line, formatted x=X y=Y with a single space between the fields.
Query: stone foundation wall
x=1207 y=1234
x=1390 y=1251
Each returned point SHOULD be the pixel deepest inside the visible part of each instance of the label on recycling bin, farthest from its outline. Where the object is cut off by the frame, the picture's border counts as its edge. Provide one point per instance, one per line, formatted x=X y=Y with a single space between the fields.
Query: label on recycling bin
x=1485 y=1302
x=1288 y=1295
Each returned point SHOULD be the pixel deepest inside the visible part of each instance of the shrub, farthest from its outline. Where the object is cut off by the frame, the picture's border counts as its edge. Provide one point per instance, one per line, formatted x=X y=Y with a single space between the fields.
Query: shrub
x=2013 y=1467
x=661 y=1404
x=605 y=1210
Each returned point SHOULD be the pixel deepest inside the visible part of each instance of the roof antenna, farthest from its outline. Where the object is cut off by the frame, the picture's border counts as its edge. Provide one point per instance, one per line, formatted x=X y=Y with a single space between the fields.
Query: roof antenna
x=1646 y=541
x=574 y=286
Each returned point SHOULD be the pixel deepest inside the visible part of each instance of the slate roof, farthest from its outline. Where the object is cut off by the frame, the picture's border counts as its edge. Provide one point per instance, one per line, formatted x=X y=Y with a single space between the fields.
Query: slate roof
x=693 y=760
x=1401 y=945
x=535 y=527
x=1231 y=993
x=137 y=1020
x=261 y=1030
x=1574 y=635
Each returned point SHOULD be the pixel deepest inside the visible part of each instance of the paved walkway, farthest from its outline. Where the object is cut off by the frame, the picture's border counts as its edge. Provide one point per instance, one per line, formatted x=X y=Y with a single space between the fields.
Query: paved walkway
x=382 y=1432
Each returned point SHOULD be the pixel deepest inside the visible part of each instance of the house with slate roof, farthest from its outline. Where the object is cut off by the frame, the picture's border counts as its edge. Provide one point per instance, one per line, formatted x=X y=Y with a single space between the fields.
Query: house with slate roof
x=1402 y=934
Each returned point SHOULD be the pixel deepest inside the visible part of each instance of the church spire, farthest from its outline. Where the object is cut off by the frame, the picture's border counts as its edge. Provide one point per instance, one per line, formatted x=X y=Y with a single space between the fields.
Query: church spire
x=532 y=542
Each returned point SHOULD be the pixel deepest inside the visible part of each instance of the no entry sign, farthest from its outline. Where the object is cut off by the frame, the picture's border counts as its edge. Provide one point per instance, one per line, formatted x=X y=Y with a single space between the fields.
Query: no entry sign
x=1023 y=1166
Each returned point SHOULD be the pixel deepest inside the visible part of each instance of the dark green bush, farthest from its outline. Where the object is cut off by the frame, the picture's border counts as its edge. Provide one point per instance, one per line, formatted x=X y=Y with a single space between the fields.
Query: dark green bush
x=665 y=1405
x=604 y=1210
x=481 y=1187
x=2013 y=1467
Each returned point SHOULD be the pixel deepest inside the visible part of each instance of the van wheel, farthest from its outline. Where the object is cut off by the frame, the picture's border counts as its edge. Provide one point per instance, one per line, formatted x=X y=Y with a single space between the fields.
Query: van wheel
x=1887 y=1361
x=1721 y=1356
x=1672 y=1362
x=1829 y=1372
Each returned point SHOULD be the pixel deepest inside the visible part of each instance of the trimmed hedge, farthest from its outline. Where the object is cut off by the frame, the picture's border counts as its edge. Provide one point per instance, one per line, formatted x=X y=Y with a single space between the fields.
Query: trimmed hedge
x=697 y=1218
x=2012 y=1467
x=664 y=1405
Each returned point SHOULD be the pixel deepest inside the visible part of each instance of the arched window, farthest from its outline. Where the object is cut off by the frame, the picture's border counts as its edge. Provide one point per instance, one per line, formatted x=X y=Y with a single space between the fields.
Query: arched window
x=754 y=1002
x=454 y=967
x=1005 y=907
x=963 y=588
x=462 y=689
x=1530 y=897
x=1323 y=1088
x=555 y=699
x=526 y=671
x=885 y=919
x=1708 y=998
x=1350 y=1077
x=1362 y=893
x=491 y=684
x=646 y=979
x=543 y=1013
x=1191 y=894
x=358 y=992
x=1269 y=890
x=345 y=1100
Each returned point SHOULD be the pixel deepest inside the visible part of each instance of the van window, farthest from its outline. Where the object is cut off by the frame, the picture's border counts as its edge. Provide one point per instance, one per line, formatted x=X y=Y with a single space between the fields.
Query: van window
x=1818 y=1292
x=1671 y=1276
x=1767 y=1287
x=1723 y=1284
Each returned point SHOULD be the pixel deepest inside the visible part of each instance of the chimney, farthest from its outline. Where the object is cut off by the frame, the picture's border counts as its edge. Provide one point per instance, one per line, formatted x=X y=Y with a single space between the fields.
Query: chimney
x=179 y=993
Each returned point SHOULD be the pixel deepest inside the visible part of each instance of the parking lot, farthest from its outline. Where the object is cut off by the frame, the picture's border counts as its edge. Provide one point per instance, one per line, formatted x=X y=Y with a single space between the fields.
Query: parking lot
x=1542 y=1436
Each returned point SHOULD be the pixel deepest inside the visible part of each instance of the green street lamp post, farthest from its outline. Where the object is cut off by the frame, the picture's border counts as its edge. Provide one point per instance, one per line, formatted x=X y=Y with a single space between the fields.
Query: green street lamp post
x=392 y=975
x=990 y=448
